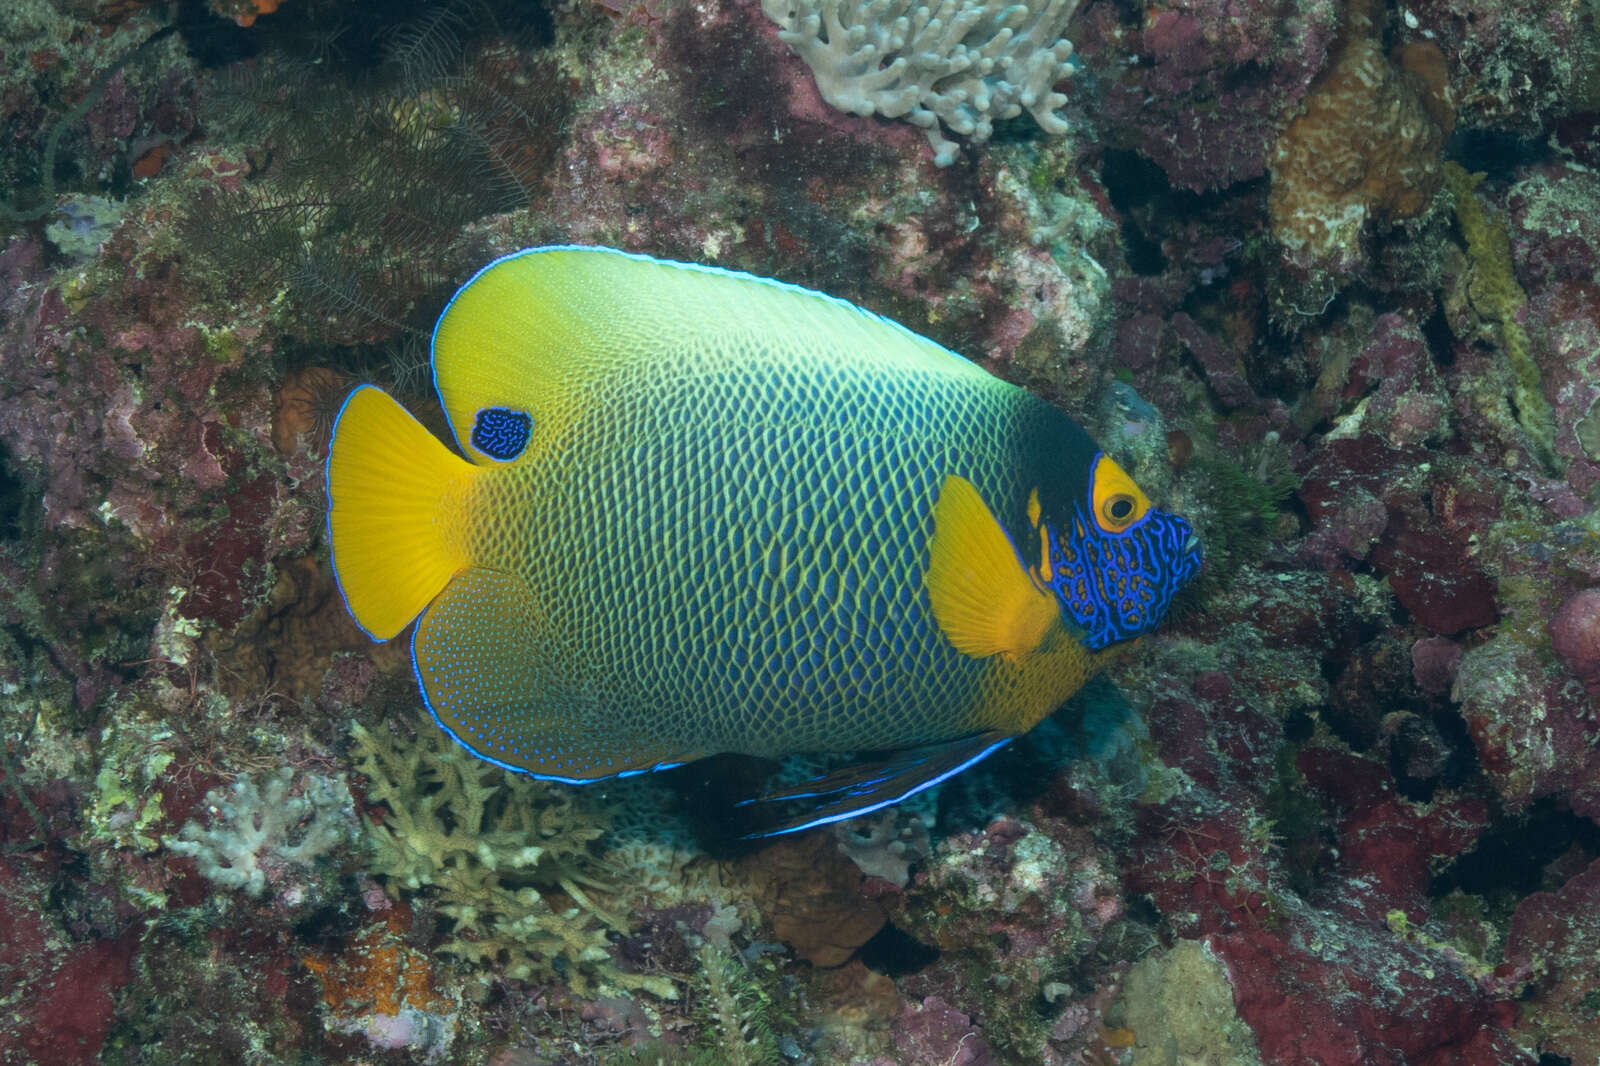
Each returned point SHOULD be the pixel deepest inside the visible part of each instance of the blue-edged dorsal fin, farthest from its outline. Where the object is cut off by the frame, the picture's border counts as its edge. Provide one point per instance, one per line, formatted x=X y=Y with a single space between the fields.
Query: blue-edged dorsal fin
x=867 y=787
x=533 y=332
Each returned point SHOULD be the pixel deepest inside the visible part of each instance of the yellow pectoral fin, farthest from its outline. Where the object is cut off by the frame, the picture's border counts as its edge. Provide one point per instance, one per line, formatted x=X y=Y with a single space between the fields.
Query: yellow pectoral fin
x=982 y=597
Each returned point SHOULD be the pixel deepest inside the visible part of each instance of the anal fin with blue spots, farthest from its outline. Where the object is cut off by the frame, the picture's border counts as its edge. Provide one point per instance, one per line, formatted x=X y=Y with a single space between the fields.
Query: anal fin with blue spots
x=867 y=787
x=501 y=684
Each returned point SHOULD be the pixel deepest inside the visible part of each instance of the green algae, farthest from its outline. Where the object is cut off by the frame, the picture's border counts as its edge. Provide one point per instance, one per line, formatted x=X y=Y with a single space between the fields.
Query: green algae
x=1243 y=503
x=738 y=1016
x=125 y=815
x=1588 y=431
x=1497 y=298
x=738 y=1013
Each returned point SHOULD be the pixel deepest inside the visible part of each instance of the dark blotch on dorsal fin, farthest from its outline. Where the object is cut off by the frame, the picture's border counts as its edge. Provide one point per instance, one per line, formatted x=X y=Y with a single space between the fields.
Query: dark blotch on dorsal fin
x=501 y=433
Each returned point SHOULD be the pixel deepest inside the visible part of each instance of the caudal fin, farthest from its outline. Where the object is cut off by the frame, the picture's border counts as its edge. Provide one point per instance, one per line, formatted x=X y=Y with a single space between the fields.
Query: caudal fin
x=395 y=515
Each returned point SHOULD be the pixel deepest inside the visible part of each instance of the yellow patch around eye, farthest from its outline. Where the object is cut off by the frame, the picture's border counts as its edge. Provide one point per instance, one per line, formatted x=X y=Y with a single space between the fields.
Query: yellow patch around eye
x=1118 y=503
x=1034 y=510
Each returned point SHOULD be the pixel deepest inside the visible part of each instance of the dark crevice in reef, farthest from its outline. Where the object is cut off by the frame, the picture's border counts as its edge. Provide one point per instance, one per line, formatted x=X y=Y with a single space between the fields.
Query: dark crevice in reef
x=1134 y=184
x=1511 y=857
x=895 y=953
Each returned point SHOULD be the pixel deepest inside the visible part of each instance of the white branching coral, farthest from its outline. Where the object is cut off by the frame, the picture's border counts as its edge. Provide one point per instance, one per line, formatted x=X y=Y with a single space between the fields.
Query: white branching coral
x=965 y=63
x=264 y=834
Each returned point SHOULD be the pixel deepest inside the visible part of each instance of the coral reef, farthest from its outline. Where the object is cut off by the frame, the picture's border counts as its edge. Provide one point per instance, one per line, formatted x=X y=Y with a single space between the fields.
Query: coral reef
x=1496 y=296
x=1548 y=947
x=130 y=92
x=886 y=845
x=1179 y=1007
x=383 y=988
x=1343 y=807
x=487 y=847
x=1198 y=87
x=1575 y=635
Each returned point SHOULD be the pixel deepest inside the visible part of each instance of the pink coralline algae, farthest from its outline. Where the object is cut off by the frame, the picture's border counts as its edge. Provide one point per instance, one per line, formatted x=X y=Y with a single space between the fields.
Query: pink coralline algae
x=1575 y=635
x=1015 y=905
x=1404 y=395
x=132 y=431
x=1483 y=39
x=1199 y=86
x=1551 y=947
x=1393 y=841
x=1532 y=724
x=1434 y=662
x=1314 y=931
x=1368 y=498
x=934 y=1031
x=65 y=986
x=1554 y=225
x=1566 y=339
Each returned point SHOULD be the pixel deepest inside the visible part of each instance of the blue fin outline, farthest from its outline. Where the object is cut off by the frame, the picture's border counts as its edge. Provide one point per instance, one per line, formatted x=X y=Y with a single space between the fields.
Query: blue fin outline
x=433 y=339
x=327 y=521
x=861 y=789
x=416 y=675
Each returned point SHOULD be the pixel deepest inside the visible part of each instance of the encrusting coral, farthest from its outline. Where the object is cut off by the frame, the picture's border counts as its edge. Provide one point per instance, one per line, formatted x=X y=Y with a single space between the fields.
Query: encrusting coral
x=490 y=847
x=966 y=63
x=383 y=988
x=1363 y=146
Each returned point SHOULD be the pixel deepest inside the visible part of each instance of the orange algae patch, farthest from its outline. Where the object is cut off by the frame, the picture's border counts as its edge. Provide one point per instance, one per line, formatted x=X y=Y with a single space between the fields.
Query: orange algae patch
x=1363 y=145
x=262 y=7
x=379 y=973
x=149 y=164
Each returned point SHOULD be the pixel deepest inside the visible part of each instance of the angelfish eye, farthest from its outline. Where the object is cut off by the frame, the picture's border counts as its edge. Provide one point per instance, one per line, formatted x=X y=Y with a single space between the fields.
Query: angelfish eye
x=1116 y=501
x=1120 y=508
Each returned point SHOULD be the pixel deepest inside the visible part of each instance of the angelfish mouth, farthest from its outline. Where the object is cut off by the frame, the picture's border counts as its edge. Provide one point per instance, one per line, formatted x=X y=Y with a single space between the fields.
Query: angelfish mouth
x=1192 y=545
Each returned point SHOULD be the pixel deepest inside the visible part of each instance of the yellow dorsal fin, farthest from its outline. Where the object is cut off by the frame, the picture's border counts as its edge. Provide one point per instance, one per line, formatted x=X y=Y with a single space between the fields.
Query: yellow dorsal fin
x=982 y=598
x=537 y=331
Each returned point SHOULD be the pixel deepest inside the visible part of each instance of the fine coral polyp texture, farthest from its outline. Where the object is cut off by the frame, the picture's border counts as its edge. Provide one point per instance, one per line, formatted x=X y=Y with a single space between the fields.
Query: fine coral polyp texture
x=1363 y=147
x=965 y=64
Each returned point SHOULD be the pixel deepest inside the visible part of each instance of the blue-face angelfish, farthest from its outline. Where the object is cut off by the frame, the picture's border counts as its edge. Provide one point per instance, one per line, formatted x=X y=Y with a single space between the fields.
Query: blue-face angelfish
x=704 y=512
